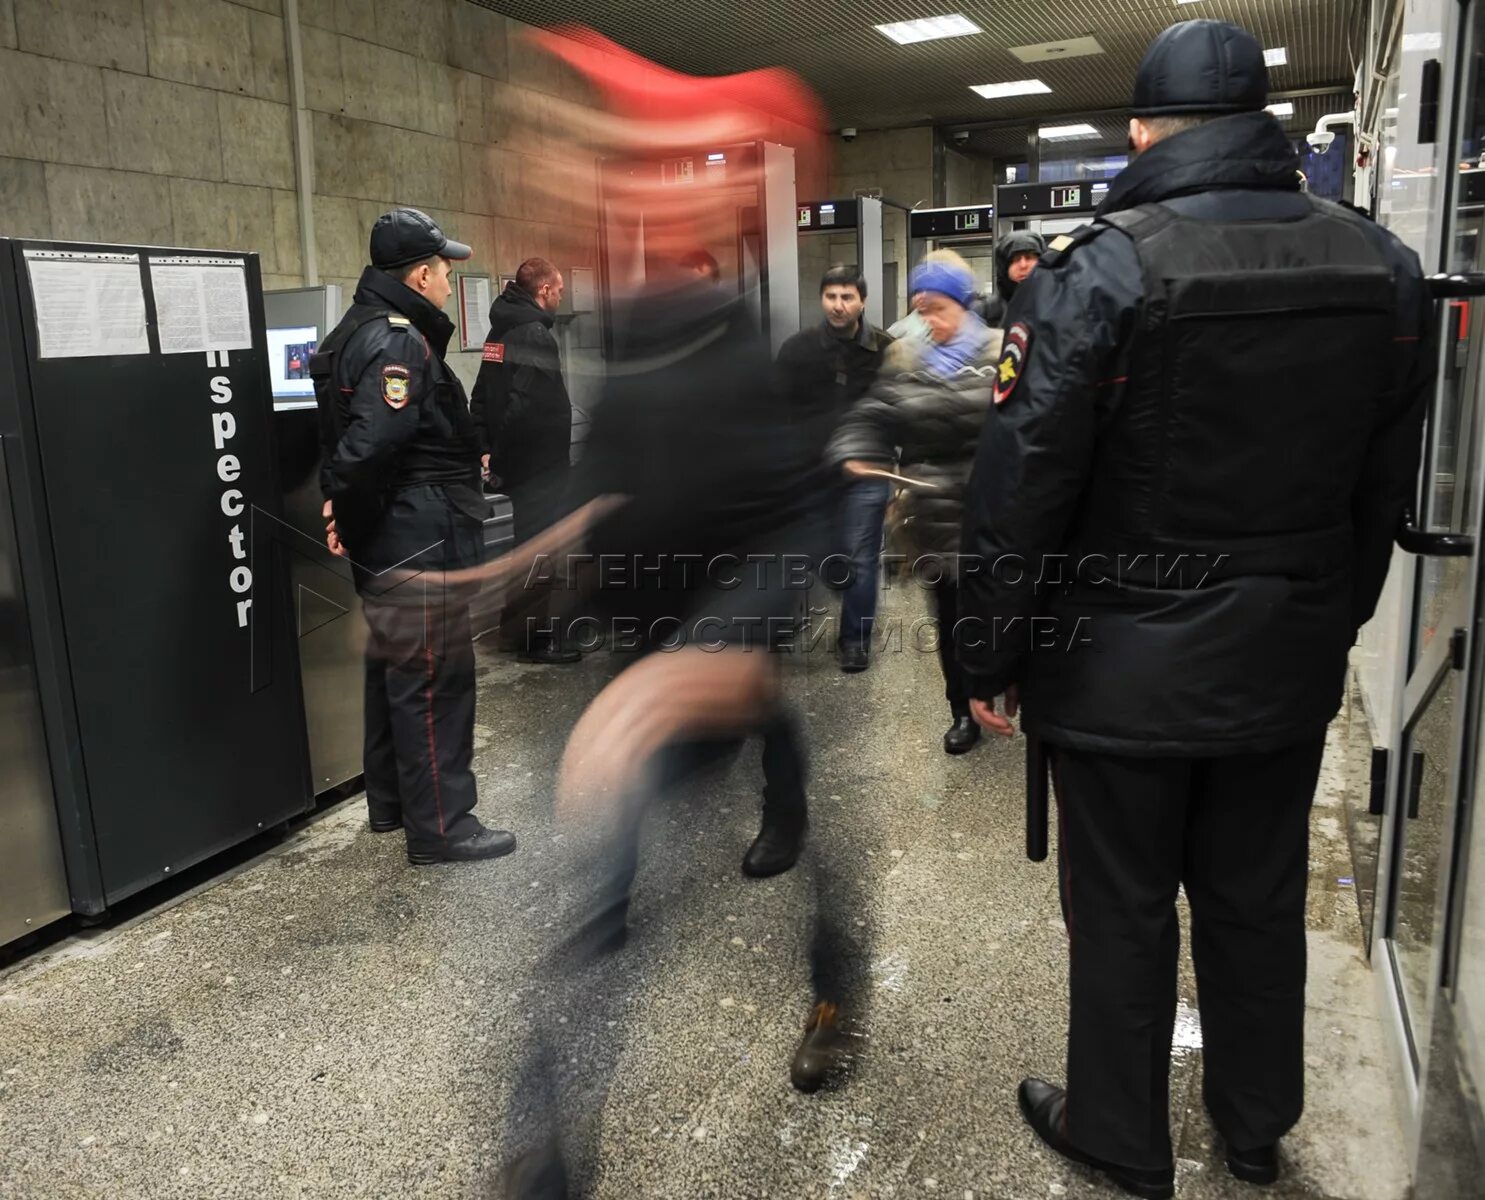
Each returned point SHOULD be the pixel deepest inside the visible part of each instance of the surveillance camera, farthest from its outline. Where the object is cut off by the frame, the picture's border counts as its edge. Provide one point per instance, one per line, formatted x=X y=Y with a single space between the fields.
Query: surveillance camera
x=1320 y=141
x=961 y=135
x=848 y=134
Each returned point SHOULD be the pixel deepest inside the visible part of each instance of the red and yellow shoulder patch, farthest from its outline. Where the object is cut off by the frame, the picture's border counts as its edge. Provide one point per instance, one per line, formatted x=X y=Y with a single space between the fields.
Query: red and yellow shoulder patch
x=1012 y=361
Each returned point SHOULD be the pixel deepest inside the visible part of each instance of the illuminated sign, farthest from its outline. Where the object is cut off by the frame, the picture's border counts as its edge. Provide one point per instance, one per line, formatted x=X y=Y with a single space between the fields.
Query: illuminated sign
x=966 y=221
x=827 y=214
x=806 y=217
x=1066 y=197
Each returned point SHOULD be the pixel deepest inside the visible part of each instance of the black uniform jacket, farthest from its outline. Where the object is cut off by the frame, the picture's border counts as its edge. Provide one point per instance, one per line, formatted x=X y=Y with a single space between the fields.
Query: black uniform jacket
x=1229 y=481
x=520 y=401
x=400 y=460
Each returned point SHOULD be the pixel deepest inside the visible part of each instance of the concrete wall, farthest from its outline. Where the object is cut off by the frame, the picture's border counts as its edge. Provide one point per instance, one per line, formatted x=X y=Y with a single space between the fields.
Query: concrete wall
x=898 y=161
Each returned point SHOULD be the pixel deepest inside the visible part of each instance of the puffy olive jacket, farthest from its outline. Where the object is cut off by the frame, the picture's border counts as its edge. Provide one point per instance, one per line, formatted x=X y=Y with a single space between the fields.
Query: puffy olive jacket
x=929 y=426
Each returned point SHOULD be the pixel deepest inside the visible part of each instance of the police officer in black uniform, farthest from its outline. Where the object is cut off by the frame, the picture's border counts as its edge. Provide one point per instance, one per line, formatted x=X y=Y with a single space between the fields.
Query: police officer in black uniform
x=1210 y=402
x=401 y=478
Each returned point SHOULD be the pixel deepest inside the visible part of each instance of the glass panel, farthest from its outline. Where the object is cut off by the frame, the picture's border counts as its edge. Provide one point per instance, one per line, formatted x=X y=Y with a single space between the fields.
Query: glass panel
x=1426 y=806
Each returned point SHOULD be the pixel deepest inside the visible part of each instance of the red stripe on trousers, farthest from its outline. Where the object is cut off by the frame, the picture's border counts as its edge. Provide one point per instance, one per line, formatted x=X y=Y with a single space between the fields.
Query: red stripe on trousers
x=432 y=742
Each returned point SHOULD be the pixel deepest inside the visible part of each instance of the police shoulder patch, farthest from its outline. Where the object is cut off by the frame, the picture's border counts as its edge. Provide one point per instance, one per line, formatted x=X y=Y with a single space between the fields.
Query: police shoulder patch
x=494 y=352
x=396 y=385
x=1012 y=361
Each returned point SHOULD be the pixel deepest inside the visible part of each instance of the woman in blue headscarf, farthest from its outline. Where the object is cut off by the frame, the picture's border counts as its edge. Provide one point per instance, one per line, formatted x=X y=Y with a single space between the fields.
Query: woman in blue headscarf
x=924 y=415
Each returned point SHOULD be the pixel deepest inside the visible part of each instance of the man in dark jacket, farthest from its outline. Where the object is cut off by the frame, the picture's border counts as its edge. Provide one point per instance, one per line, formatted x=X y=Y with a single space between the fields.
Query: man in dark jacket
x=524 y=418
x=1016 y=256
x=1206 y=428
x=400 y=475
x=821 y=373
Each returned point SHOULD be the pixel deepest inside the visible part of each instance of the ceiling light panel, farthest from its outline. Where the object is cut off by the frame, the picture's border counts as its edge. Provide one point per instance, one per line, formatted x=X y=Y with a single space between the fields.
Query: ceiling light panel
x=1017 y=87
x=1053 y=51
x=1282 y=109
x=1278 y=56
x=929 y=29
x=1066 y=133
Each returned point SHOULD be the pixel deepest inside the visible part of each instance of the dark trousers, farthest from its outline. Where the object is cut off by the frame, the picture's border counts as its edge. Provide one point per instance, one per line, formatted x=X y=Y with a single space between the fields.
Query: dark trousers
x=531 y=617
x=862 y=508
x=1234 y=832
x=946 y=602
x=420 y=689
x=586 y=984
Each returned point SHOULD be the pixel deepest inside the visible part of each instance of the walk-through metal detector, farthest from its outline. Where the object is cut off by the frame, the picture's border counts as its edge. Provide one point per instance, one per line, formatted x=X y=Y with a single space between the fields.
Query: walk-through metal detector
x=759 y=254
x=968 y=230
x=863 y=230
x=1047 y=208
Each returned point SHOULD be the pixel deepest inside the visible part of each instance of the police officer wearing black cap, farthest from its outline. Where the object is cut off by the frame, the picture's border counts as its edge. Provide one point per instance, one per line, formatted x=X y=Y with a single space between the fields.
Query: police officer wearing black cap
x=401 y=478
x=1209 y=402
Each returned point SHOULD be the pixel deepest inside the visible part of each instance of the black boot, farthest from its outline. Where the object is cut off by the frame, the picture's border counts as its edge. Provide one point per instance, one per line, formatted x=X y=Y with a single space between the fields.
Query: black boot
x=536 y=1175
x=854 y=658
x=777 y=846
x=1260 y=1165
x=1043 y=1106
x=385 y=820
x=487 y=843
x=821 y=1051
x=550 y=653
x=962 y=735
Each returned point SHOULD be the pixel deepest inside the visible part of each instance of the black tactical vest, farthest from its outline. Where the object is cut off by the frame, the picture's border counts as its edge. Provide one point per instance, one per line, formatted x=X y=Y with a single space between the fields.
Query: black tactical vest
x=1260 y=355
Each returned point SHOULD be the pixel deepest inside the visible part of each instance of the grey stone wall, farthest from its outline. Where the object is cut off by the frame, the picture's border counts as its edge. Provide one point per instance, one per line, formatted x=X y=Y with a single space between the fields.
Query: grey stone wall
x=169 y=121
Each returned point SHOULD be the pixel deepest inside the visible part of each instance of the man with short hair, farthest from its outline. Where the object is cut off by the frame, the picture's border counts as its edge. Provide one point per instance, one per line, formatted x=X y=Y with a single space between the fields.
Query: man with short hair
x=1208 y=406
x=822 y=372
x=524 y=418
x=400 y=475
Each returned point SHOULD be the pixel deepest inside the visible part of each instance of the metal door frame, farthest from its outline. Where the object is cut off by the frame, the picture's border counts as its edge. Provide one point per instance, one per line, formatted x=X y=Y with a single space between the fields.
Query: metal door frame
x=1409 y=1035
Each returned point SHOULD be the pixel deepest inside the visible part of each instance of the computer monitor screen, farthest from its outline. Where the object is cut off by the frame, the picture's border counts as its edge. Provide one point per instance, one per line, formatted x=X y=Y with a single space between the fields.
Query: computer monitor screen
x=289 y=352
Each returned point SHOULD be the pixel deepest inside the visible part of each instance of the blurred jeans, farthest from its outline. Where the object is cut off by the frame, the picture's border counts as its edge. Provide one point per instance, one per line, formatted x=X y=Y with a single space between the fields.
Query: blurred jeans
x=863 y=506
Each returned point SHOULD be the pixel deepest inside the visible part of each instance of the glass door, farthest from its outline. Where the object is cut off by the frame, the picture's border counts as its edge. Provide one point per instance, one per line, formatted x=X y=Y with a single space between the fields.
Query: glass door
x=1431 y=780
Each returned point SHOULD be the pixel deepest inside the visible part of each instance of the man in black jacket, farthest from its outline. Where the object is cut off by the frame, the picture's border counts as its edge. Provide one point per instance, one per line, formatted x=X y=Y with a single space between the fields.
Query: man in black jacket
x=1206 y=427
x=400 y=475
x=524 y=418
x=821 y=372
x=1016 y=256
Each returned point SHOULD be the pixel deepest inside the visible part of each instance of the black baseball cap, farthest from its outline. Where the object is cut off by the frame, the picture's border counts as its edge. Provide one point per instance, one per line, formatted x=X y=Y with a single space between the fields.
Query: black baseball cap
x=405 y=236
x=1201 y=67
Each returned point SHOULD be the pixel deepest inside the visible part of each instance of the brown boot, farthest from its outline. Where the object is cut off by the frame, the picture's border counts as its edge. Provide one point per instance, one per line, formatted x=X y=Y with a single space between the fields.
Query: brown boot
x=821 y=1051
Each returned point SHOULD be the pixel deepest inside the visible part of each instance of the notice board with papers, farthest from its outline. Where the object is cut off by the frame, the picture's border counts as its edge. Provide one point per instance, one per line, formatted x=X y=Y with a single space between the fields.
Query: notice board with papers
x=137 y=429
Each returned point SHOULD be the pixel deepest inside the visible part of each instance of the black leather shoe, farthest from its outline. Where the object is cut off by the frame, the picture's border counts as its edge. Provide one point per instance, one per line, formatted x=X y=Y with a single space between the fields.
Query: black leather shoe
x=487 y=843
x=385 y=822
x=536 y=1175
x=854 y=659
x=821 y=1051
x=1260 y=1166
x=549 y=654
x=775 y=849
x=962 y=736
x=1043 y=1106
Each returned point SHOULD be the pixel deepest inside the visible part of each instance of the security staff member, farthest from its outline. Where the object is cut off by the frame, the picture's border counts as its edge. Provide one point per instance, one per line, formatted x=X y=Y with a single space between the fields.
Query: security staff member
x=401 y=480
x=1210 y=402
x=524 y=422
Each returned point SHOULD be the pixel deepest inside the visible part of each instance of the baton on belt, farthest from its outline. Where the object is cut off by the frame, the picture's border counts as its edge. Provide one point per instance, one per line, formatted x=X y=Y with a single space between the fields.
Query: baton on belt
x=1036 y=799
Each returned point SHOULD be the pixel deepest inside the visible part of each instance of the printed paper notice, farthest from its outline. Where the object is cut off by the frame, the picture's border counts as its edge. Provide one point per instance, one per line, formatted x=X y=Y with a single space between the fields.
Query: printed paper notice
x=474 y=303
x=87 y=305
x=201 y=304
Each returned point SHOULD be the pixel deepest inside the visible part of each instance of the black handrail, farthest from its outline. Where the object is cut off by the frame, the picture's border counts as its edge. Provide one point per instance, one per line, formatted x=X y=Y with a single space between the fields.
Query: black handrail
x=1434 y=545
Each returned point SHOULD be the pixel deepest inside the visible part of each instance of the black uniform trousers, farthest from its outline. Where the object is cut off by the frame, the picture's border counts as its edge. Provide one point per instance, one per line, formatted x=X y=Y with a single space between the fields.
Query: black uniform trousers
x=1234 y=832
x=420 y=671
x=530 y=619
x=947 y=598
